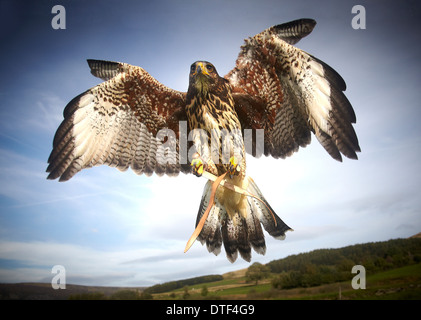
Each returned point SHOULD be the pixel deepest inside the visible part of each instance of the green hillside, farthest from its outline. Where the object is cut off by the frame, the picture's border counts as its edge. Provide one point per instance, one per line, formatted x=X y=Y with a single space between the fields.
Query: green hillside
x=393 y=270
x=399 y=283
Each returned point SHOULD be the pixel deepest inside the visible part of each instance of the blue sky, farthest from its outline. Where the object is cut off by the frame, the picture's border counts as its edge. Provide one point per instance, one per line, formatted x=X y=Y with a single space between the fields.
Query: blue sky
x=118 y=229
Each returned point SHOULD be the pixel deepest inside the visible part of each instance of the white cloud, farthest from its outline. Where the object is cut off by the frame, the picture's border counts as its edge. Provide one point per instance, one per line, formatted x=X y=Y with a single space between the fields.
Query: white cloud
x=115 y=228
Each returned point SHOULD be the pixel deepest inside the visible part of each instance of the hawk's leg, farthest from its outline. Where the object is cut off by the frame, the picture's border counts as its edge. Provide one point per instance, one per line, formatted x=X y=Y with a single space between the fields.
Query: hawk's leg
x=234 y=168
x=199 y=165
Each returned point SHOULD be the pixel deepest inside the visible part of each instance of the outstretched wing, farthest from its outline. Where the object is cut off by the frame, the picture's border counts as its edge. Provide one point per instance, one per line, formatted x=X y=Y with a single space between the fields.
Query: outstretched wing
x=117 y=123
x=289 y=93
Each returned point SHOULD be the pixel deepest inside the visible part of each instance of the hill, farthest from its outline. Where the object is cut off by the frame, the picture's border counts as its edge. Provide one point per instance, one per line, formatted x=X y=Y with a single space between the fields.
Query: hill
x=43 y=291
x=393 y=270
x=307 y=275
x=172 y=285
x=332 y=265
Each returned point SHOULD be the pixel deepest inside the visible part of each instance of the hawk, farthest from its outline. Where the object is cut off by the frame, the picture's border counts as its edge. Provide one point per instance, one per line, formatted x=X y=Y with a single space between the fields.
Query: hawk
x=275 y=96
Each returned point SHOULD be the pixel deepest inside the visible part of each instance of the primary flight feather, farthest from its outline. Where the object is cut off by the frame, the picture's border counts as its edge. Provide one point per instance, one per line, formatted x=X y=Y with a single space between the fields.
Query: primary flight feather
x=277 y=95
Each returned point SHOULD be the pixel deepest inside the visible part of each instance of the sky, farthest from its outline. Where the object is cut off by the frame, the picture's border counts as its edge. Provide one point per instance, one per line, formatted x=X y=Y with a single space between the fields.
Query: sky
x=112 y=228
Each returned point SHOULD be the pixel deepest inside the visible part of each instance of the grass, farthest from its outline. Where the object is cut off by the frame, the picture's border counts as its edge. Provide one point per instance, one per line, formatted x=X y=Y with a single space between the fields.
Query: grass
x=395 y=284
x=400 y=283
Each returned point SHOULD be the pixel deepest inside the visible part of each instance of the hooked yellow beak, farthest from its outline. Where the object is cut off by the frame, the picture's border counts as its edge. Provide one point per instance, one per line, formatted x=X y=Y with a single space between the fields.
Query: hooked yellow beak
x=200 y=68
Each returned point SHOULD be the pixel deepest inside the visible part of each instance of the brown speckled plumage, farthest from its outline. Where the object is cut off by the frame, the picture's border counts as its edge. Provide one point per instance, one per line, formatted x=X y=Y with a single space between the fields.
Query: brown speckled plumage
x=132 y=120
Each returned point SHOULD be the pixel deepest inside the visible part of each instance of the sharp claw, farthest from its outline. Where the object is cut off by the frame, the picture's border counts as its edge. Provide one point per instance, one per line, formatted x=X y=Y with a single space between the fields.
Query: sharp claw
x=198 y=165
x=233 y=167
x=231 y=171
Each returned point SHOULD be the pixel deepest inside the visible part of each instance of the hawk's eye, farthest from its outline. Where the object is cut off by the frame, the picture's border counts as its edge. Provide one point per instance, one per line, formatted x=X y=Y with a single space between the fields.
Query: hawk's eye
x=209 y=67
x=193 y=67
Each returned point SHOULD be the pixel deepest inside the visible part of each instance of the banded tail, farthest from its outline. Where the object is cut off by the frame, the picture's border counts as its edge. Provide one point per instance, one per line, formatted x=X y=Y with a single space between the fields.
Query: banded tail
x=238 y=233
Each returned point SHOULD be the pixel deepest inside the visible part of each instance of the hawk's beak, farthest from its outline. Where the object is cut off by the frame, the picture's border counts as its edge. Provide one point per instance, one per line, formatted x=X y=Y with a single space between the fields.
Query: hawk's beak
x=200 y=68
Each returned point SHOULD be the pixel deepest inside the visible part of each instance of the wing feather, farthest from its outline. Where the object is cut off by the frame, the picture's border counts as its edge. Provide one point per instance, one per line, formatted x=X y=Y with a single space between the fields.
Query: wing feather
x=116 y=123
x=292 y=32
x=289 y=93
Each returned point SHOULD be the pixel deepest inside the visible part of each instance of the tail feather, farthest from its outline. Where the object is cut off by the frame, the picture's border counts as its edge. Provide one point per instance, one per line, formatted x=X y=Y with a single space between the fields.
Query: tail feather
x=239 y=234
x=235 y=238
x=255 y=232
x=267 y=215
x=211 y=233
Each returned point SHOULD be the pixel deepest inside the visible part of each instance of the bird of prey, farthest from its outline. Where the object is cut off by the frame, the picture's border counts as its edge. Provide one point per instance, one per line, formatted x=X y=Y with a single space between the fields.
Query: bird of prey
x=269 y=103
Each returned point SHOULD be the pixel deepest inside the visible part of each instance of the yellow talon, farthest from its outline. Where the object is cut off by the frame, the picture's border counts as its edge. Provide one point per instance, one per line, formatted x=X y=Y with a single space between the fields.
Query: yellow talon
x=198 y=165
x=233 y=168
x=233 y=161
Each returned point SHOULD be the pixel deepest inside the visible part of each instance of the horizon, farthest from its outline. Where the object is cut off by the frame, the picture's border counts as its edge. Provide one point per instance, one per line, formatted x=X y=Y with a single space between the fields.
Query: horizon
x=112 y=228
x=418 y=235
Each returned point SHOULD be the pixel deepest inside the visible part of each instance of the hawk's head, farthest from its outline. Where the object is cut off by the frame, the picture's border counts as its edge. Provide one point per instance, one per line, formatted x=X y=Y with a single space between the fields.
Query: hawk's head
x=204 y=79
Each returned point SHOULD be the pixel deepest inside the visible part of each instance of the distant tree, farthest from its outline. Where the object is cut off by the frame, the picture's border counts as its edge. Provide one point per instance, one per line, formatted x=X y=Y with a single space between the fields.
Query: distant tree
x=204 y=291
x=277 y=281
x=125 y=294
x=256 y=272
x=145 y=296
x=88 y=296
x=173 y=285
x=288 y=280
x=186 y=293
